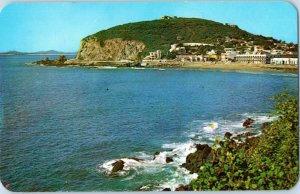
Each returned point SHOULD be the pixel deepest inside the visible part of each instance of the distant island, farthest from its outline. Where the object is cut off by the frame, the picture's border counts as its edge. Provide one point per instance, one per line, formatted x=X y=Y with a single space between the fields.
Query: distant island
x=183 y=42
x=50 y=52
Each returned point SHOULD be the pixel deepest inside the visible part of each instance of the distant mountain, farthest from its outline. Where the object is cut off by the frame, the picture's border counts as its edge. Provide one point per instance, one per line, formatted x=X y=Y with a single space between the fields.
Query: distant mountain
x=50 y=52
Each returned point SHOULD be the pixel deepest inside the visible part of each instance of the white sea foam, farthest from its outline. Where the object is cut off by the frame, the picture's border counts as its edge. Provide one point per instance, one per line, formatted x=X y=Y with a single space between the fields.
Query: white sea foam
x=210 y=127
x=138 y=68
x=259 y=118
x=206 y=131
x=180 y=177
x=106 y=67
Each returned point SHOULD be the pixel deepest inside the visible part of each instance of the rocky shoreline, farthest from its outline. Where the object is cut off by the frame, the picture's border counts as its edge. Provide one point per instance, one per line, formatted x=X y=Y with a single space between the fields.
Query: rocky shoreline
x=204 y=153
x=62 y=61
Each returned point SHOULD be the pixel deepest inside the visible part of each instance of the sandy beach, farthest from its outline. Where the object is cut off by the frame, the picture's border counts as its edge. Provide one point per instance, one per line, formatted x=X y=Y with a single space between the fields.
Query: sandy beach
x=228 y=66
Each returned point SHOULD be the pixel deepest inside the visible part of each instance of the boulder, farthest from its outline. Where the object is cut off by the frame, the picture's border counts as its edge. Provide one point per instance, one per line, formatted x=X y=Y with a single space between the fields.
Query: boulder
x=247 y=123
x=169 y=159
x=227 y=135
x=242 y=136
x=166 y=189
x=195 y=160
x=182 y=188
x=117 y=166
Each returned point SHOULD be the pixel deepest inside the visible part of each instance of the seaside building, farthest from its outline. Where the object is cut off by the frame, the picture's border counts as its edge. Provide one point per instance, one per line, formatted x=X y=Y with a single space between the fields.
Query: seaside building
x=253 y=58
x=181 y=48
x=228 y=56
x=153 y=55
x=190 y=58
x=284 y=61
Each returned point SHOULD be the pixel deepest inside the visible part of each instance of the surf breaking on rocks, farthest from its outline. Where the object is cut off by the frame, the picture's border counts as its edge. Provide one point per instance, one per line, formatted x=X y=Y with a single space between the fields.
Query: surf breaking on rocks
x=173 y=159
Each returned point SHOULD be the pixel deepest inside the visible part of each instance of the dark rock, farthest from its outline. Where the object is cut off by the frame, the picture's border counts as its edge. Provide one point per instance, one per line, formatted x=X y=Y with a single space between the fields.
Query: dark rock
x=201 y=146
x=227 y=135
x=195 y=160
x=166 y=189
x=242 y=136
x=247 y=123
x=169 y=159
x=62 y=58
x=155 y=154
x=232 y=145
x=56 y=62
x=117 y=166
x=182 y=188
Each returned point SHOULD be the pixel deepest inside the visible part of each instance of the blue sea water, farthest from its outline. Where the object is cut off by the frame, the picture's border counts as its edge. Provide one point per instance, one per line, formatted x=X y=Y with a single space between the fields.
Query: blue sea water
x=61 y=128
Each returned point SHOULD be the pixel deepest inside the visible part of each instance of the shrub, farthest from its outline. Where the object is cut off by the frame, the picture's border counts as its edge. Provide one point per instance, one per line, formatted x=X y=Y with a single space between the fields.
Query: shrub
x=270 y=164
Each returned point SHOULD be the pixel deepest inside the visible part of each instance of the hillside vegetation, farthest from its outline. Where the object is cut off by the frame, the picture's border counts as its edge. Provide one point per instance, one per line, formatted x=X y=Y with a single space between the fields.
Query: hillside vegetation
x=160 y=34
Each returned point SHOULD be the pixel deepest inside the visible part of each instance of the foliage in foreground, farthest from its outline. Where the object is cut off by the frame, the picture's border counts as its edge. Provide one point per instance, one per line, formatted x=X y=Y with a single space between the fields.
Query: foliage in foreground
x=271 y=162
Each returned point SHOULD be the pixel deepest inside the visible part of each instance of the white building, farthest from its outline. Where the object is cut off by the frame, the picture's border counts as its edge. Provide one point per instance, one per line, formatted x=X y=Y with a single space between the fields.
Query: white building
x=253 y=58
x=192 y=44
x=212 y=52
x=228 y=56
x=190 y=58
x=284 y=61
x=153 y=55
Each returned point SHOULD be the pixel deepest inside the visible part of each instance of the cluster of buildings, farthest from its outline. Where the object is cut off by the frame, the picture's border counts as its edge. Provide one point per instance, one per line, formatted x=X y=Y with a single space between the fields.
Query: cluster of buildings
x=190 y=52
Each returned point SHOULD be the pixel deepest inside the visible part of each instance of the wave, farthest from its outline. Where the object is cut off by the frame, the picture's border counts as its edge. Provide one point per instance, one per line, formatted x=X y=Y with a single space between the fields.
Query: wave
x=138 y=68
x=202 y=131
x=106 y=67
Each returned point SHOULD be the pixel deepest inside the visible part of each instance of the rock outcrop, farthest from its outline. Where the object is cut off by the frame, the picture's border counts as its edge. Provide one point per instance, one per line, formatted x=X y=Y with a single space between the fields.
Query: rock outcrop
x=92 y=49
x=169 y=159
x=117 y=166
x=183 y=188
x=195 y=160
x=56 y=62
x=248 y=123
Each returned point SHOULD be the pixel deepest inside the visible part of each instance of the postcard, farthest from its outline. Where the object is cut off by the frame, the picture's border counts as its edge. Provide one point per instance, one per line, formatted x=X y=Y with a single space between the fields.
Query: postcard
x=149 y=96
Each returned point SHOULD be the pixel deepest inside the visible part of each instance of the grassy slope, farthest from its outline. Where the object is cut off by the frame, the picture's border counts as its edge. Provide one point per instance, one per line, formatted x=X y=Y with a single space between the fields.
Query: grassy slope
x=160 y=34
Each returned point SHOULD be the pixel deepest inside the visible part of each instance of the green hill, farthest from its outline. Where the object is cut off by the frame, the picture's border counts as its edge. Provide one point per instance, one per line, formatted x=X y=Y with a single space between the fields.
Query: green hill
x=161 y=33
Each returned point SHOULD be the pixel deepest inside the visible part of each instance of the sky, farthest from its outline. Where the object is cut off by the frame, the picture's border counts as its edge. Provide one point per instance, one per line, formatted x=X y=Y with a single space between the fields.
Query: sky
x=31 y=27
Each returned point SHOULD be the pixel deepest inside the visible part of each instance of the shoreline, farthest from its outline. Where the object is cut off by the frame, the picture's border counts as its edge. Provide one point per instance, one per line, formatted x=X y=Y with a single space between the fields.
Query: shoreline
x=177 y=65
x=233 y=66
x=197 y=155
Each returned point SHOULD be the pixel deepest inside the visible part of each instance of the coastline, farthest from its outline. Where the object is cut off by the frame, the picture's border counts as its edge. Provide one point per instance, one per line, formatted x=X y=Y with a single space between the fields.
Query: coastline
x=229 y=66
x=234 y=66
x=192 y=156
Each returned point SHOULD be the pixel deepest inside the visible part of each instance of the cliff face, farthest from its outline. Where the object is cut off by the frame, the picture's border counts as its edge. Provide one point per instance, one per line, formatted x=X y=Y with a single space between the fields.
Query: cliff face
x=91 y=49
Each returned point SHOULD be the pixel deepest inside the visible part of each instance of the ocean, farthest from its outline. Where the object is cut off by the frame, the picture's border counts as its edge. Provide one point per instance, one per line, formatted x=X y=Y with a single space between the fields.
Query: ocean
x=63 y=127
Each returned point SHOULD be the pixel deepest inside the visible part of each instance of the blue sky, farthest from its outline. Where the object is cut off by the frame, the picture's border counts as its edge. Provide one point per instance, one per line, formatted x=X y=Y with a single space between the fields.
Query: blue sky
x=61 y=26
